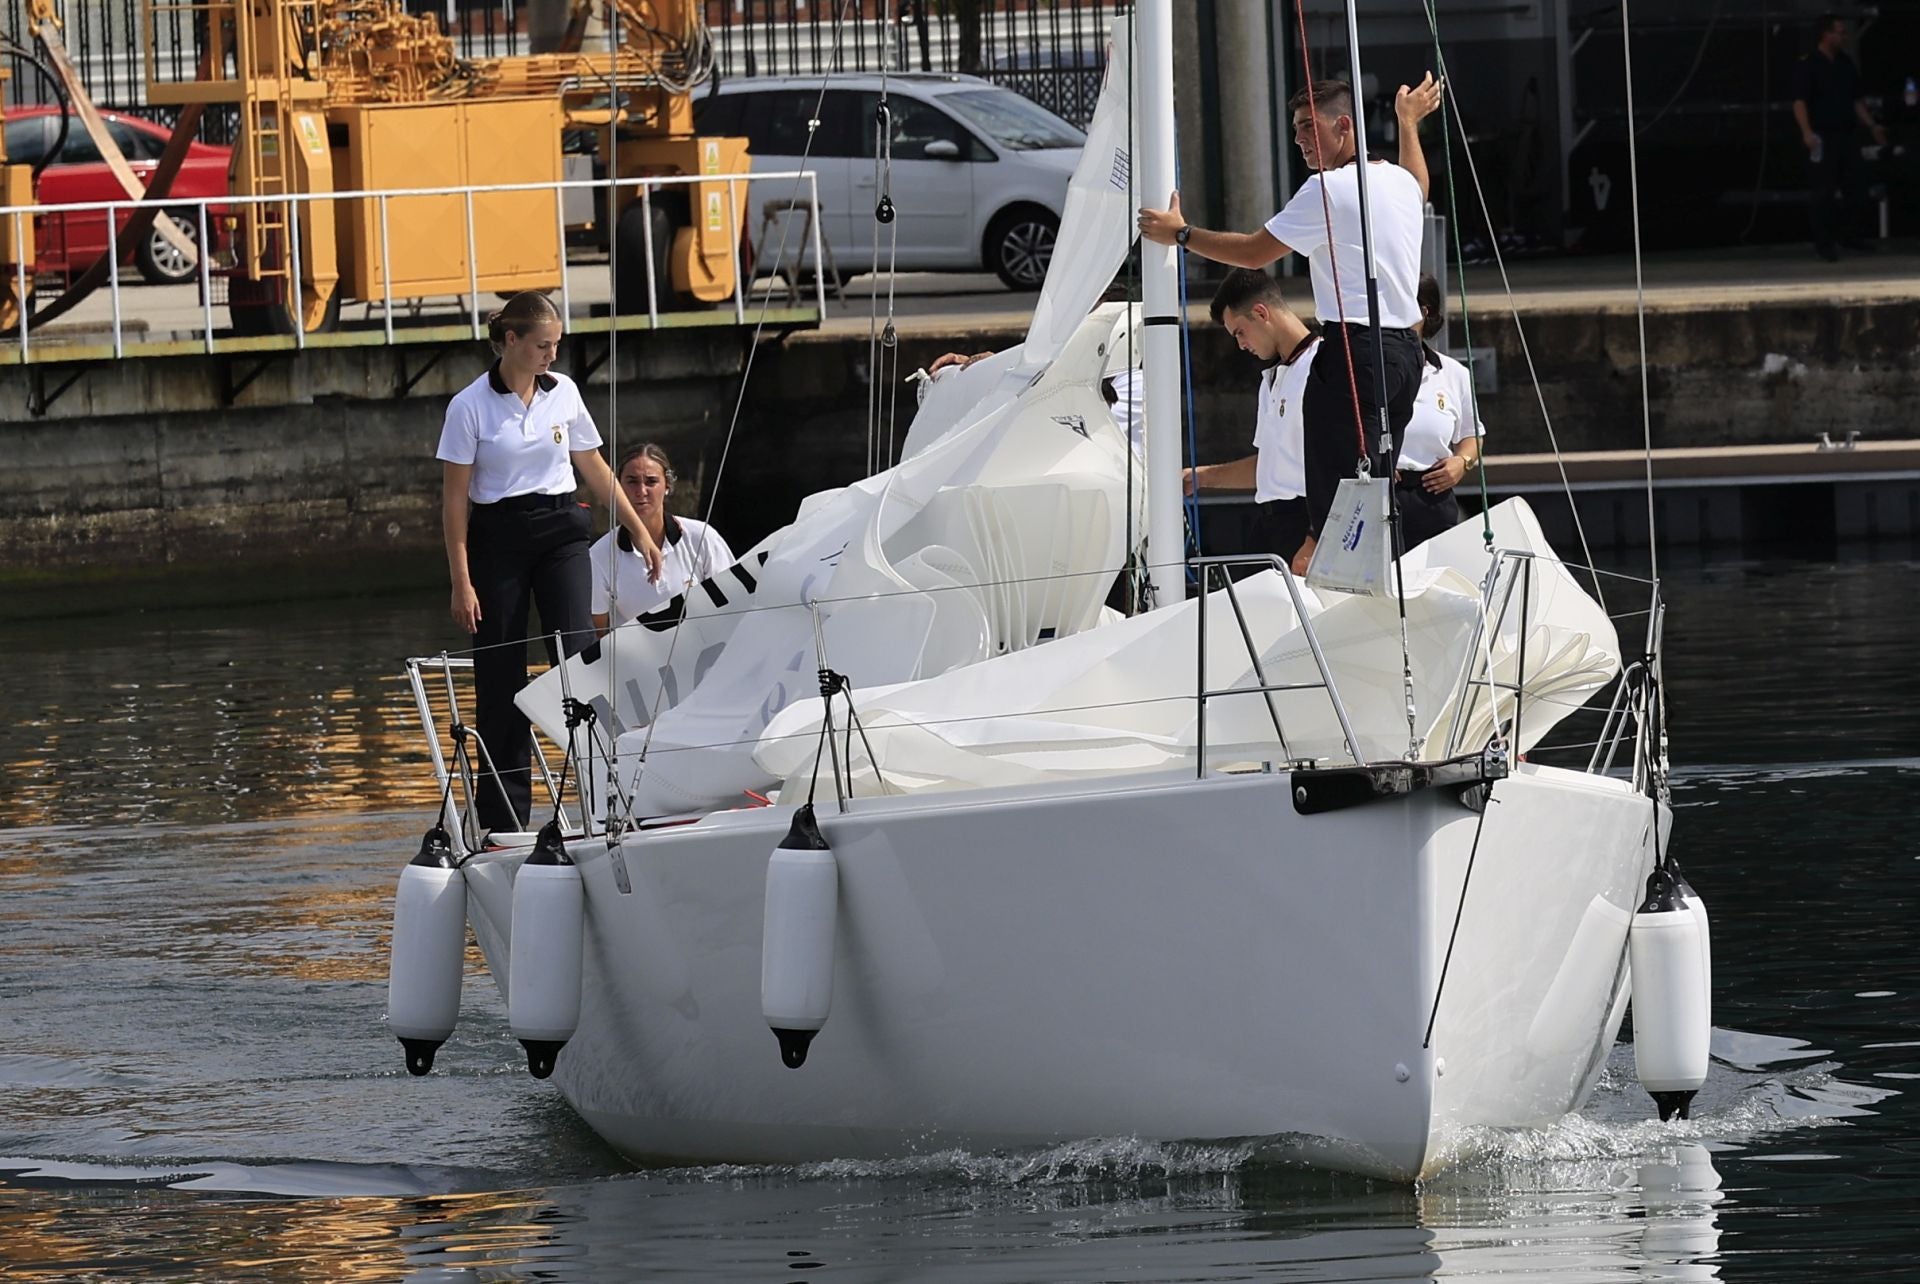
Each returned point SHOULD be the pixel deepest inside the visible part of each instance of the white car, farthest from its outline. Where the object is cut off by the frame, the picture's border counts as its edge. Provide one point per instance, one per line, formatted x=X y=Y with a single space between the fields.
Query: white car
x=979 y=174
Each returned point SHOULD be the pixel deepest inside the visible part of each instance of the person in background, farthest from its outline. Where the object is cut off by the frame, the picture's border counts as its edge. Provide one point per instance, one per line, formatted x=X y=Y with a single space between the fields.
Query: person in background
x=515 y=537
x=690 y=551
x=1442 y=446
x=1342 y=402
x=1249 y=303
x=1831 y=113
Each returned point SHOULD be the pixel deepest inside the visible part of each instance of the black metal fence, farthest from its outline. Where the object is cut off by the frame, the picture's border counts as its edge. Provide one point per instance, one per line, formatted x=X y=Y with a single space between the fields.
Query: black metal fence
x=1052 y=51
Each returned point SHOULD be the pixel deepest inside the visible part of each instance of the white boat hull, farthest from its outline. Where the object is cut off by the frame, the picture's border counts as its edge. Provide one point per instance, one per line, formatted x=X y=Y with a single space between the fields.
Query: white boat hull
x=1200 y=962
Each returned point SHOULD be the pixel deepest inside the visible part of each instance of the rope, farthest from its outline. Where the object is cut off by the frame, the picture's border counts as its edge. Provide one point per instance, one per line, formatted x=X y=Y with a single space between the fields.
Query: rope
x=883 y=348
x=1326 y=211
x=1486 y=805
x=1506 y=282
x=1639 y=282
x=753 y=346
x=1460 y=263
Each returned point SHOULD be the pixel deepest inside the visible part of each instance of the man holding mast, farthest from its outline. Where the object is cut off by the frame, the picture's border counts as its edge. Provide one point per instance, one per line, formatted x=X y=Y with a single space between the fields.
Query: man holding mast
x=1323 y=221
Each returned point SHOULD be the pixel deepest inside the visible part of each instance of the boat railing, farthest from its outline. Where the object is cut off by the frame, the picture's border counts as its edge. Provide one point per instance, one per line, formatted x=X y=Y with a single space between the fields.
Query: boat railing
x=1223 y=565
x=461 y=779
x=207 y=215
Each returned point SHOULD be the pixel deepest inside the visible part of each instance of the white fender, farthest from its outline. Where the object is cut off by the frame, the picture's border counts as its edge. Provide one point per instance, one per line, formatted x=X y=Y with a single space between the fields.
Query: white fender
x=1672 y=1011
x=797 y=937
x=545 y=950
x=426 y=957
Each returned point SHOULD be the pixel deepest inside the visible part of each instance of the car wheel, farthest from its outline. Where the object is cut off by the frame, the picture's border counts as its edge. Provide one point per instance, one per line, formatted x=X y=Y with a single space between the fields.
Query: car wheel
x=1020 y=246
x=160 y=261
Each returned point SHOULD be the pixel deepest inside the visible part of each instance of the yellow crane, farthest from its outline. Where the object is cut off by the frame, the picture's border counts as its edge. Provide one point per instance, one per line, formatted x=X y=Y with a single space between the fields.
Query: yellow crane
x=359 y=95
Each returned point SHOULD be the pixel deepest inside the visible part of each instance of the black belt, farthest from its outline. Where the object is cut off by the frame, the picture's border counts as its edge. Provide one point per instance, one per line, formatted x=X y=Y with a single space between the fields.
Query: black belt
x=1409 y=331
x=1401 y=477
x=527 y=503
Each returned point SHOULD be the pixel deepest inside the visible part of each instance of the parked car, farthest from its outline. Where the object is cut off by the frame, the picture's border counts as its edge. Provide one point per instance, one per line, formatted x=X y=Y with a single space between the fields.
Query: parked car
x=67 y=244
x=979 y=174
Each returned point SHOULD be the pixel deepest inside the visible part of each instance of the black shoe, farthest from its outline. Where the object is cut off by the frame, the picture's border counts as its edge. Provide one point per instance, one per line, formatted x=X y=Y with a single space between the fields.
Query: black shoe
x=1827 y=252
x=1858 y=246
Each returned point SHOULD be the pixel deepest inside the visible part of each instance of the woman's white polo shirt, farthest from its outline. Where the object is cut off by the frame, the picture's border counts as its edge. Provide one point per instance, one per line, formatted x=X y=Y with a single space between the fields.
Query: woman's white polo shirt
x=515 y=448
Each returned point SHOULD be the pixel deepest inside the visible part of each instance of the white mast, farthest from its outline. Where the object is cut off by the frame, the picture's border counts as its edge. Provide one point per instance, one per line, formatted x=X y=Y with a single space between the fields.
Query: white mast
x=1160 y=280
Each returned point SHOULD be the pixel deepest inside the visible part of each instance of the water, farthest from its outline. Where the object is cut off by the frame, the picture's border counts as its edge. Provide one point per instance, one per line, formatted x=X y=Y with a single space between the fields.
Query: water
x=204 y=814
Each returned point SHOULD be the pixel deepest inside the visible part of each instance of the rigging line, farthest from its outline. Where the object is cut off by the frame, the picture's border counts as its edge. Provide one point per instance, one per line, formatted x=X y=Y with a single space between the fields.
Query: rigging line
x=1326 y=212
x=1136 y=377
x=1639 y=288
x=753 y=344
x=1526 y=349
x=1486 y=805
x=1460 y=263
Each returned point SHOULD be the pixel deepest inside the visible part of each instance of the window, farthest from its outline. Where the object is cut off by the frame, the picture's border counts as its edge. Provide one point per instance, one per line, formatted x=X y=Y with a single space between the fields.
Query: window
x=134 y=144
x=718 y=115
x=28 y=138
x=79 y=149
x=1013 y=121
x=775 y=122
x=916 y=124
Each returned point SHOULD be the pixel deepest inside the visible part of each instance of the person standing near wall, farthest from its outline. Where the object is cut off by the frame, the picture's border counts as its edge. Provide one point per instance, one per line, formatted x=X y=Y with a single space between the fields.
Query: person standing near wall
x=515 y=535
x=1830 y=111
x=1442 y=447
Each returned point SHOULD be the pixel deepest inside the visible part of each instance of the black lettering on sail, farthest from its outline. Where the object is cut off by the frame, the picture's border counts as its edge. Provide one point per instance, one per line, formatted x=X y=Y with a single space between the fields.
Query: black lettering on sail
x=662 y=618
x=745 y=577
x=714 y=594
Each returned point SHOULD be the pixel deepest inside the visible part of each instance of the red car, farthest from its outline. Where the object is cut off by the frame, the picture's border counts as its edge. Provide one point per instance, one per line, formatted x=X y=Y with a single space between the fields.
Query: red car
x=67 y=244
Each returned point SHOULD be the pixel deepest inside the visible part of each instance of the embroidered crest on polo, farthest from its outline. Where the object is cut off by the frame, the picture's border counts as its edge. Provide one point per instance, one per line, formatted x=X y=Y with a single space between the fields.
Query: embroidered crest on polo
x=559 y=436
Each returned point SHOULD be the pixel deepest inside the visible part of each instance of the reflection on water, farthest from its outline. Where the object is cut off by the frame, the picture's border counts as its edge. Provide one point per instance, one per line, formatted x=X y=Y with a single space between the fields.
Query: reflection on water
x=201 y=818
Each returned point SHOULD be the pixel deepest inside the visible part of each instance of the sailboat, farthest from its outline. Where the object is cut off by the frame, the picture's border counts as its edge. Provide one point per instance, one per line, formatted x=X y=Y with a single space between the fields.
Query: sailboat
x=893 y=837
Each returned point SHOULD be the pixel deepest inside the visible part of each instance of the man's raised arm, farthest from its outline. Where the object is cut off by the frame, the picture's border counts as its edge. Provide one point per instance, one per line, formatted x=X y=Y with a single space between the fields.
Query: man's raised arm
x=1410 y=107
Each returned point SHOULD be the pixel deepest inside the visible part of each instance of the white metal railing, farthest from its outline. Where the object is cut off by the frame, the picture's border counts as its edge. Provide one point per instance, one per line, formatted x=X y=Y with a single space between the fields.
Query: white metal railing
x=15 y=218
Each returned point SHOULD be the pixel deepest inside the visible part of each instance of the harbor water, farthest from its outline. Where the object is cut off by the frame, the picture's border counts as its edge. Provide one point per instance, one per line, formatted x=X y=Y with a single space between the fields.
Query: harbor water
x=202 y=815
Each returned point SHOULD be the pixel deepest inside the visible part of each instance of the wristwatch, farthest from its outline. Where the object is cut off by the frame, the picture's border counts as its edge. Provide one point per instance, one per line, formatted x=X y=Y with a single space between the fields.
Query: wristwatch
x=1180 y=237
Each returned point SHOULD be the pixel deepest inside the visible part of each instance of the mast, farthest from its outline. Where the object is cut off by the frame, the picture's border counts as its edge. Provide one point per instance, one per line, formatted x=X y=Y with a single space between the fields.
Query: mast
x=1160 y=281
x=1366 y=241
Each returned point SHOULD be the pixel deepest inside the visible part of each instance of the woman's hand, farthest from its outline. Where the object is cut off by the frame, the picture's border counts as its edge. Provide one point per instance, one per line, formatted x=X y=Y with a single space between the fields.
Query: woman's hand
x=643 y=544
x=1444 y=475
x=466 y=608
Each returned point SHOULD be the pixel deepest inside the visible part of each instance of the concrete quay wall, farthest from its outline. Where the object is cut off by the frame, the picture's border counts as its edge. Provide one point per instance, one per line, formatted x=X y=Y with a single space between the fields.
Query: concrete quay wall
x=254 y=476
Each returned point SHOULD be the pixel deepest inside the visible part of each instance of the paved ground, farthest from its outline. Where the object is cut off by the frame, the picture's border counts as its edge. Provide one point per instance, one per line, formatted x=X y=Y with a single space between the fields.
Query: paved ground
x=933 y=304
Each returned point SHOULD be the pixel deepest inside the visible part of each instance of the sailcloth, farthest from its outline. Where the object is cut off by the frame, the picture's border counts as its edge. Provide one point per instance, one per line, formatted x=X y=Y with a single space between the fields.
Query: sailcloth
x=1121 y=698
x=1005 y=534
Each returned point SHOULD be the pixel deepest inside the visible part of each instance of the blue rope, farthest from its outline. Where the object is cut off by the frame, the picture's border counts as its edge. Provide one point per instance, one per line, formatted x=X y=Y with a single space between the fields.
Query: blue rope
x=1193 y=448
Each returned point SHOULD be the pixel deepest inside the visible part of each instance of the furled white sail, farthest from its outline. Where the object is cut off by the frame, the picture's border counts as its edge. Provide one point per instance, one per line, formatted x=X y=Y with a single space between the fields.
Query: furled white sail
x=1005 y=534
x=1121 y=698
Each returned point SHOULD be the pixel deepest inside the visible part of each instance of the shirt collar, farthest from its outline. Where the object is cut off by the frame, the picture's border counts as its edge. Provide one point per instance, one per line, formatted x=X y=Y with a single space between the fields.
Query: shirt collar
x=673 y=531
x=543 y=381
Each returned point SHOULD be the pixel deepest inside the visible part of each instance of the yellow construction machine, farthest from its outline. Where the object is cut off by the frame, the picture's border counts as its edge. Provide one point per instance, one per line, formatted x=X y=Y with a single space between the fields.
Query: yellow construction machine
x=361 y=96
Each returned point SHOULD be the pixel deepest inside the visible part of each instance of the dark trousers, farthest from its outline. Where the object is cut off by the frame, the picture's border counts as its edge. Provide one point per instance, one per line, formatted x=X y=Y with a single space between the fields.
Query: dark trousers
x=1422 y=514
x=530 y=550
x=1281 y=526
x=1841 y=172
x=1333 y=446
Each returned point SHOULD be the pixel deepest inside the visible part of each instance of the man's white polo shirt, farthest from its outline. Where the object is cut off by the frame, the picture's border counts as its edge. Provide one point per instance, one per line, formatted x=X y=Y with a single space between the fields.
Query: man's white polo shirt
x=1279 y=433
x=517 y=449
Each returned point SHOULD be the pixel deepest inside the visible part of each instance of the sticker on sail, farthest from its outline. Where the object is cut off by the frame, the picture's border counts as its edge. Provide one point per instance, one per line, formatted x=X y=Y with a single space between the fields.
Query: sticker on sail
x=1075 y=422
x=1122 y=170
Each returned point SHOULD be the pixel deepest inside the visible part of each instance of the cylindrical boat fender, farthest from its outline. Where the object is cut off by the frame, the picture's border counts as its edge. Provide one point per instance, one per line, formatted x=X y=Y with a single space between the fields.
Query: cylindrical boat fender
x=426 y=957
x=797 y=937
x=544 y=953
x=1672 y=1026
x=1699 y=908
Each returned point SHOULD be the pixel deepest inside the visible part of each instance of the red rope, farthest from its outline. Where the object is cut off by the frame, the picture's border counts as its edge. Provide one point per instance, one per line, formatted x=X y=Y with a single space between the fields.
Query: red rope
x=1326 y=212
